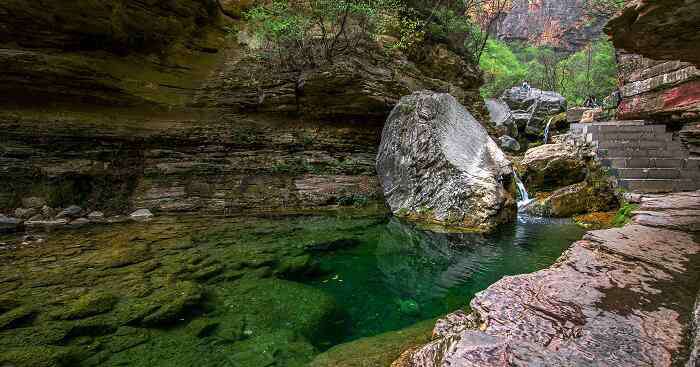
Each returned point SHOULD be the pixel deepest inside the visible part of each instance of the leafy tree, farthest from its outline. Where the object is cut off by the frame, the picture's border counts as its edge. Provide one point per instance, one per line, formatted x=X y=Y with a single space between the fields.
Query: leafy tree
x=591 y=71
x=502 y=69
x=303 y=35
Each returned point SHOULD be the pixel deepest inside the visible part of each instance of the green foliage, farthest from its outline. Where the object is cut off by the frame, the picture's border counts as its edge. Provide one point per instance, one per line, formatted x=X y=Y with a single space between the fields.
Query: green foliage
x=298 y=36
x=590 y=71
x=501 y=67
x=624 y=214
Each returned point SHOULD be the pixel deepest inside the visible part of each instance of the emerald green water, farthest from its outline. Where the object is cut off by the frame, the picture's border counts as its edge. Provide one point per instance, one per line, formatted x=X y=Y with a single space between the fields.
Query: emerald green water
x=247 y=291
x=400 y=275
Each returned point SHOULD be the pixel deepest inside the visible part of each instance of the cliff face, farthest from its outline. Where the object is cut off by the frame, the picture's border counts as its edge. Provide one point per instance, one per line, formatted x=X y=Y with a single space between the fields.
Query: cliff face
x=659 y=29
x=657 y=43
x=131 y=105
x=558 y=24
x=658 y=90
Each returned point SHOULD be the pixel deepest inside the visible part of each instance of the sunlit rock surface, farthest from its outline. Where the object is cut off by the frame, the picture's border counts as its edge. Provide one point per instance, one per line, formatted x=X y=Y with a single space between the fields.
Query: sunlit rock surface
x=619 y=297
x=437 y=164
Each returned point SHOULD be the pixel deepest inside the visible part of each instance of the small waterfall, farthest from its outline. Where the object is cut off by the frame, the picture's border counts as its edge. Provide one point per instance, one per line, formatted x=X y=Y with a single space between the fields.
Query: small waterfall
x=522 y=192
x=546 y=130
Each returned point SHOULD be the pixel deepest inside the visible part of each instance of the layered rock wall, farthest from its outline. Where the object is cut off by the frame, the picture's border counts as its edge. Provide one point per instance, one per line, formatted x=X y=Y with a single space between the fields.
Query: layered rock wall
x=658 y=90
x=165 y=106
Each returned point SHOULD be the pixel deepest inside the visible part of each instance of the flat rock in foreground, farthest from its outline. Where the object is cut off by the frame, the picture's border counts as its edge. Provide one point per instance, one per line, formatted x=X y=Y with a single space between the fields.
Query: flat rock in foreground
x=619 y=297
x=437 y=164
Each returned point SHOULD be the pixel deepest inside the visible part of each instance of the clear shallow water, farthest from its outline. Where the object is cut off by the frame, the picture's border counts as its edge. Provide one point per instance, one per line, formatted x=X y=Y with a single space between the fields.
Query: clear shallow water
x=399 y=274
x=253 y=291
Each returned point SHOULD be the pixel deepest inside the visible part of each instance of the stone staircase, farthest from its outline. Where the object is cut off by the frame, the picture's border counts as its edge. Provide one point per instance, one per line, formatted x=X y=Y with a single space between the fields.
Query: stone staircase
x=644 y=157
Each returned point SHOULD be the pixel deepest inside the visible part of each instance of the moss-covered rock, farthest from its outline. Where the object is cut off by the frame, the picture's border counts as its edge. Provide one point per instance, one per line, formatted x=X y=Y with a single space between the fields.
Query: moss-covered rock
x=45 y=356
x=378 y=350
x=175 y=302
x=90 y=304
x=15 y=317
x=271 y=304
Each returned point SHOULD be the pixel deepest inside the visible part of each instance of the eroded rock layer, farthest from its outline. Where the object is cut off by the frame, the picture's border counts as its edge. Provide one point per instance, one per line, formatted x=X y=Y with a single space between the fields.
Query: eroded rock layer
x=659 y=29
x=619 y=297
x=167 y=107
x=658 y=90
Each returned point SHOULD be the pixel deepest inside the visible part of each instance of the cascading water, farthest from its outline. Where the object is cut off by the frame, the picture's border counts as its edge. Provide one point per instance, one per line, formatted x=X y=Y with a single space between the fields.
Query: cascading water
x=522 y=192
x=546 y=131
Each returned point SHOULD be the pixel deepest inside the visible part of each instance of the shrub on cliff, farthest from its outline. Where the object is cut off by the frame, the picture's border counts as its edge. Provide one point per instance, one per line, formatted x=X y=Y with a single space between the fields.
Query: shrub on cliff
x=297 y=36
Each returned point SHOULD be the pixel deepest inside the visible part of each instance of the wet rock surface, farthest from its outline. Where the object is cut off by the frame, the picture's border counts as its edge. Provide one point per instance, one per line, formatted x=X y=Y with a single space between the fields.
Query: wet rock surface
x=438 y=165
x=532 y=107
x=619 y=297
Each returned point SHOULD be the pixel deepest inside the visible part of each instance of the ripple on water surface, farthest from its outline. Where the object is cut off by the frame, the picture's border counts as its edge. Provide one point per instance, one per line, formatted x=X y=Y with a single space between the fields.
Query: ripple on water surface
x=249 y=291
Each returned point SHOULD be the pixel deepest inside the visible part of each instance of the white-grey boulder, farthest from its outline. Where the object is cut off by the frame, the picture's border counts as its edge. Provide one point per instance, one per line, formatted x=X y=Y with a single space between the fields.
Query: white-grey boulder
x=437 y=164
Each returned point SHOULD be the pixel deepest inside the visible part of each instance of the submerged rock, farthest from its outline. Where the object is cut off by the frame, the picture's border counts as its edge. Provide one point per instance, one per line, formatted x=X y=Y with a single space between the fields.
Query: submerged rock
x=437 y=164
x=9 y=224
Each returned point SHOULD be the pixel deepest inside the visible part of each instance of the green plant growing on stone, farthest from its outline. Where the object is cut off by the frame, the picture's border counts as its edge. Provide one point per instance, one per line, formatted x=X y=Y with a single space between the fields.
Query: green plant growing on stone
x=624 y=215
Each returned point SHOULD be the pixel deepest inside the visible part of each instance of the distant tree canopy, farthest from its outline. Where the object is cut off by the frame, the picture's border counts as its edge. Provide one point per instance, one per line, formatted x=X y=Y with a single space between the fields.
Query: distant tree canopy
x=300 y=35
x=590 y=71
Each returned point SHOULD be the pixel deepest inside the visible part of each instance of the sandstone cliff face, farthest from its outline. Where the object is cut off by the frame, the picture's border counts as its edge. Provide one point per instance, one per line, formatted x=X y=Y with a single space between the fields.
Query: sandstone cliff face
x=131 y=105
x=658 y=90
x=558 y=24
x=659 y=29
x=657 y=45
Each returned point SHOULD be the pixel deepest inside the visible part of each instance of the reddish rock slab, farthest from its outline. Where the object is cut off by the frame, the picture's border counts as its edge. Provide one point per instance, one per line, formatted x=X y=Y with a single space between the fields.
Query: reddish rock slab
x=619 y=297
x=679 y=99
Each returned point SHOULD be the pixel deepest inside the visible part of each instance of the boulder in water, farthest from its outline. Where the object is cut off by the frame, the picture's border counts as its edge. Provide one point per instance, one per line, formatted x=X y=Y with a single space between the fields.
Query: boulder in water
x=437 y=164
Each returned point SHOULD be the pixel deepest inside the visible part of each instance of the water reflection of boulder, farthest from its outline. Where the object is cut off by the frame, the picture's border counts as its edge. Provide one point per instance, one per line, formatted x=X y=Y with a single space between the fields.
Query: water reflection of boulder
x=424 y=265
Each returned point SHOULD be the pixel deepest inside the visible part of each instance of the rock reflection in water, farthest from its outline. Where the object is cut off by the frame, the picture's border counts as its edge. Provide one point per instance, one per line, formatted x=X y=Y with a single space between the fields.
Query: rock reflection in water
x=423 y=265
x=399 y=274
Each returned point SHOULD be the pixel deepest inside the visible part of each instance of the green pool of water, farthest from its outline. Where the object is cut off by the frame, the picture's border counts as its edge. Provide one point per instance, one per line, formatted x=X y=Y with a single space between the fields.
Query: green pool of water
x=399 y=274
x=249 y=291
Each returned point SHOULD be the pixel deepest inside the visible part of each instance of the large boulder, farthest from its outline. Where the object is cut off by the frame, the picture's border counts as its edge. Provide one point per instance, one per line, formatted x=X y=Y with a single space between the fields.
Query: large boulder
x=501 y=117
x=437 y=164
x=582 y=197
x=552 y=166
x=536 y=105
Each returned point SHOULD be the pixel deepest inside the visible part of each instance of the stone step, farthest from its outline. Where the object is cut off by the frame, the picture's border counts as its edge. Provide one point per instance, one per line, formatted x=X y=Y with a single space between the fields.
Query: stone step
x=599 y=129
x=624 y=162
x=631 y=144
x=638 y=173
x=635 y=137
x=641 y=153
x=658 y=185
